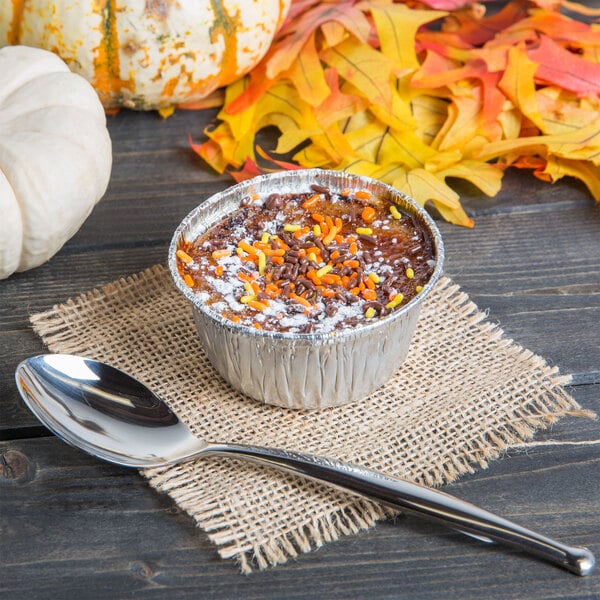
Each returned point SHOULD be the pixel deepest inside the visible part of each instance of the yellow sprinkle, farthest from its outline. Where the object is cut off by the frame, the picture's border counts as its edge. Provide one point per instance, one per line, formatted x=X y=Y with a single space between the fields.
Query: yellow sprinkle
x=419 y=288
x=184 y=256
x=370 y=312
x=364 y=231
x=396 y=214
x=317 y=230
x=247 y=298
x=265 y=238
x=324 y=270
x=397 y=299
x=291 y=227
x=410 y=273
x=248 y=287
x=374 y=277
x=262 y=262
x=312 y=256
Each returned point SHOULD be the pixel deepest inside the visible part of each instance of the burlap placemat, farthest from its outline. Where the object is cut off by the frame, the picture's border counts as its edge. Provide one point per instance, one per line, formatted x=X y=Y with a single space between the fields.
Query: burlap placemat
x=464 y=395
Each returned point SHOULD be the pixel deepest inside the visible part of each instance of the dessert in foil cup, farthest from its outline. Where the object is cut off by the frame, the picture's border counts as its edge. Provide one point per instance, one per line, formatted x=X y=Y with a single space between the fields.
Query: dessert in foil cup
x=294 y=369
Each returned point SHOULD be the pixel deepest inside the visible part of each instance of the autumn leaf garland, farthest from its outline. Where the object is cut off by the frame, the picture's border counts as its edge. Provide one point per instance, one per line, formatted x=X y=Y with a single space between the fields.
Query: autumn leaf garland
x=413 y=96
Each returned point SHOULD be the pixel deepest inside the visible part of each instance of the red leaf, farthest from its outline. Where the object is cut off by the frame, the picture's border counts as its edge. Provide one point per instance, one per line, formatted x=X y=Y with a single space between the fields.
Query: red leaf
x=249 y=170
x=564 y=69
x=475 y=31
x=291 y=40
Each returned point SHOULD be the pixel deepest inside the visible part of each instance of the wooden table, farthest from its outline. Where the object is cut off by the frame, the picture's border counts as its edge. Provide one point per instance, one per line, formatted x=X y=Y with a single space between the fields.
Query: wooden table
x=75 y=527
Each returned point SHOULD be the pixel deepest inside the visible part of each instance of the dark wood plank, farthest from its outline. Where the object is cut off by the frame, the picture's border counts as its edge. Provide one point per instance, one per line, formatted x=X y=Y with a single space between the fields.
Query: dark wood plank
x=101 y=532
x=74 y=527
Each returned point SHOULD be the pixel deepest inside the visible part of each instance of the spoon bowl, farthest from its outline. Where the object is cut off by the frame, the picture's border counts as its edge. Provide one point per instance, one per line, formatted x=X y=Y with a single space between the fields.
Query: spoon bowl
x=111 y=415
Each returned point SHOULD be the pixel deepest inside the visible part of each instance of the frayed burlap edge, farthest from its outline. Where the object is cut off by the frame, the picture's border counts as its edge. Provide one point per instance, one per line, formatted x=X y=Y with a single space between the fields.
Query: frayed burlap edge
x=551 y=403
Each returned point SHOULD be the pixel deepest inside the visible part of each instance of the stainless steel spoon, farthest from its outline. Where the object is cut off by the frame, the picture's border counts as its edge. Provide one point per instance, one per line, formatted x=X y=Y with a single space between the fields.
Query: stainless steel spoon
x=112 y=416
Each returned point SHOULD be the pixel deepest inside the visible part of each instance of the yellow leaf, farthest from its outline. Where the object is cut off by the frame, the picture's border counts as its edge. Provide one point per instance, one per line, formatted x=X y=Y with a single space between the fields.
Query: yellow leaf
x=581 y=144
x=397 y=26
x=313 y=156
x=307 y=75
x=556 y=168
x=518 y=84
x=461 y=129
x=510 y=120
x=292 y=136
x=430 y=114
x=423 y=186
x=338 y=106
x=283 y=99
x=241 y=122
x=359 y=166
x=564 y=114
x=400 y=117
x=368 y=70
x=487 y=177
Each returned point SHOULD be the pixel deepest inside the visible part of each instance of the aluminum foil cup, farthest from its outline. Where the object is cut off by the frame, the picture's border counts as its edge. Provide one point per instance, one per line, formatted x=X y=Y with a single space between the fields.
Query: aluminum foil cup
x=308 y=370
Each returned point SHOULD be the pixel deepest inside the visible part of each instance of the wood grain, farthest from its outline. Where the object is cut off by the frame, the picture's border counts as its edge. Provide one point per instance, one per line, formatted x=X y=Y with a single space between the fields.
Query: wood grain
x=73 y=527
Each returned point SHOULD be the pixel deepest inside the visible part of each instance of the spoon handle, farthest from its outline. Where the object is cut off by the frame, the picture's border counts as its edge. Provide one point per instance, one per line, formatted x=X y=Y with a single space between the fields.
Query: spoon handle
x=428 y=502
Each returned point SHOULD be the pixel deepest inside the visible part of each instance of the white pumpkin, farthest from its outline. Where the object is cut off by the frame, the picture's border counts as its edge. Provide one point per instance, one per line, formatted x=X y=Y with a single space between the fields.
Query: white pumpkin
x=55 y=156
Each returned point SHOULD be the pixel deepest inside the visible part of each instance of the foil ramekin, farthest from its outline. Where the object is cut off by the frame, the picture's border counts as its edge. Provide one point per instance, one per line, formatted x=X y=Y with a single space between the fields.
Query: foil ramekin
x=303 y=370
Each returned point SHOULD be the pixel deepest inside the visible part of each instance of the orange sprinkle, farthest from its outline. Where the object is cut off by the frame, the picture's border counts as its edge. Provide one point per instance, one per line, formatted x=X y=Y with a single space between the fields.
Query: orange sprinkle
x=331 y=279
x=335 y=254
x=368 y=213
x=317 y=217
x=270 y=252
x=277 y=260
x=244 y=245
x=369 y=294
x=184 y=256
x=219 y=270
x=272 y=290
x=353 y=264
x=311 y=201
x=188 y=280
x=300 y=300
x=326 y=292
x=353 y=248
x=246 y=276
x=222 y=253
x=363 y=194
x=302 y=231
x=258 y=304
x=355 y=291
x=369 y=283
x=261 y=245
x=333 y=231
x=280 y=243
x=257 y=326
x=236 y=318
x=312 y=275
